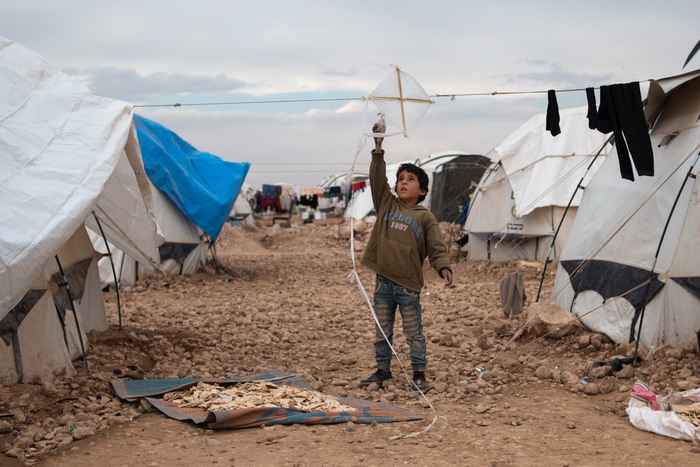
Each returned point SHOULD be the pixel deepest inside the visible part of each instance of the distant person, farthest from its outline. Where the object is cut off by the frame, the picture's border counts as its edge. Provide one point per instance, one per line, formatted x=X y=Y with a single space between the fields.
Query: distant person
x=463 y=211
x=403 y=235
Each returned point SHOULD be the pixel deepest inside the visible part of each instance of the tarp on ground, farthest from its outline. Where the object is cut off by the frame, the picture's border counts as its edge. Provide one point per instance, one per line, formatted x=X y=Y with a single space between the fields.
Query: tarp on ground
x=150 y=390
x=202 y=185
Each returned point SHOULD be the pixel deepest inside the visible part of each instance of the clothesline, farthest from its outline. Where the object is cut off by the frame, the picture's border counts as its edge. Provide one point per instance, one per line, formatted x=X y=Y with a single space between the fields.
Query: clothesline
x=451 y=96
x=322 y=191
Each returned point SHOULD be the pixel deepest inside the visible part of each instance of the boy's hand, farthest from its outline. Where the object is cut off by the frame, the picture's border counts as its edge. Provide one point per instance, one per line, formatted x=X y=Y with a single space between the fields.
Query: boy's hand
x=447 y=276
x=378 y=127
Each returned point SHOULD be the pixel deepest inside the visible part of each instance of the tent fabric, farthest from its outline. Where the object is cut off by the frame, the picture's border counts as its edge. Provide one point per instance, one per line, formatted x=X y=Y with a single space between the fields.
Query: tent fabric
x=201 y=185
x=620 y=225
x=543 y=169
x=453 y=179
x=610 y=279
x=522 y=198
x=365 y=411
x=125 y=208
x=59 y=145
x=173 y=227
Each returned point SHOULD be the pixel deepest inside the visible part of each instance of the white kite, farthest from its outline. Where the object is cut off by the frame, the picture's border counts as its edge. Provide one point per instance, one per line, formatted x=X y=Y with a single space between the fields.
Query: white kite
x=402 y=101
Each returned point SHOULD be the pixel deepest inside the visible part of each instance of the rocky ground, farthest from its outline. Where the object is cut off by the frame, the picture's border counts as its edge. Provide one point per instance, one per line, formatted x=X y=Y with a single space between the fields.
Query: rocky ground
x=280 y=298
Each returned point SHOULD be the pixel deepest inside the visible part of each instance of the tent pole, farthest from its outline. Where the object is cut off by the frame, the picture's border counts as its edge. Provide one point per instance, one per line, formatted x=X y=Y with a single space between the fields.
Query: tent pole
x=114 y=271
x=212 y=248
x=640 y=315
x=566 y=210
x=66 y=286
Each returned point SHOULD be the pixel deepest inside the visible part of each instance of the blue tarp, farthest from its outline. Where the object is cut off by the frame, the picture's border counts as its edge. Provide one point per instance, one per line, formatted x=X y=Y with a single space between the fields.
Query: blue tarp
x=202 y=185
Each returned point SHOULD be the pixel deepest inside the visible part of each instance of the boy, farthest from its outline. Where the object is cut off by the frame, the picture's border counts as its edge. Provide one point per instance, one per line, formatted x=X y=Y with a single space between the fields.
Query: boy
x=403 y=235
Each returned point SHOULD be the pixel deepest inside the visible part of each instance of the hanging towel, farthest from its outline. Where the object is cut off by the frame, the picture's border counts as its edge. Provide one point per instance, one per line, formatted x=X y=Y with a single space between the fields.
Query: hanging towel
x=552 y=113
x=513 y=296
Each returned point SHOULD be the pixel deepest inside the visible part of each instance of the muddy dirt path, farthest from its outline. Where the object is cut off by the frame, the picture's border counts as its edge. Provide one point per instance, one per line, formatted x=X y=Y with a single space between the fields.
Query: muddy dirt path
x=281 y=300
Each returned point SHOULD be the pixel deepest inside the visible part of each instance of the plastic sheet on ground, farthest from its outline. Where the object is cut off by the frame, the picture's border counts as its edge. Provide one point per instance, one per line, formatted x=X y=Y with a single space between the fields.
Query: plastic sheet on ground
x=362 y=411
x=666 y=421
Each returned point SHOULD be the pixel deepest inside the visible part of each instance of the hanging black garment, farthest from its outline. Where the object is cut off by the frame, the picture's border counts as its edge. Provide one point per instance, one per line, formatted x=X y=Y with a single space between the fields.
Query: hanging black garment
x=552 y=113
x=592 y=114
x=621 y=112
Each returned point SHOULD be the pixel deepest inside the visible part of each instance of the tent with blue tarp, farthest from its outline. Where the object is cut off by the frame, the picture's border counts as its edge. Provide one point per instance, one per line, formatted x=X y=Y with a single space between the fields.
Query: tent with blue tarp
x=201 y=185
x=192 y=194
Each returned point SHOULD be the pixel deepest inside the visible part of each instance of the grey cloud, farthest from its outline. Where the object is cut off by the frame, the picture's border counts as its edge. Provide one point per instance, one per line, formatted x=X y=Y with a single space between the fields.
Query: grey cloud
x=351 y=72
x=128 y=85
x=538 y=62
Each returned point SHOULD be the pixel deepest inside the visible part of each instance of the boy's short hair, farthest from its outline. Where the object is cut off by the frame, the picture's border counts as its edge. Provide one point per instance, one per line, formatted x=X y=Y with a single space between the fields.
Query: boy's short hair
x=418 y=172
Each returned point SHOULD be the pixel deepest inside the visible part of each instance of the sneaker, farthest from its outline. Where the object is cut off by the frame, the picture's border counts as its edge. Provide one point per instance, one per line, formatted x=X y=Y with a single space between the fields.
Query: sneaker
x=419 y=382
x=378 y=377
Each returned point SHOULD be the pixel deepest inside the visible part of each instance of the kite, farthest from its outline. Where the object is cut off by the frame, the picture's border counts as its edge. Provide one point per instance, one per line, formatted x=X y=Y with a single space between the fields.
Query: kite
x=402 y=101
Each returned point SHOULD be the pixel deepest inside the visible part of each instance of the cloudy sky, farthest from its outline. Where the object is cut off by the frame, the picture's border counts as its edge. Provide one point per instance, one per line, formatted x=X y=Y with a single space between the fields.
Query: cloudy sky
x=150 y=52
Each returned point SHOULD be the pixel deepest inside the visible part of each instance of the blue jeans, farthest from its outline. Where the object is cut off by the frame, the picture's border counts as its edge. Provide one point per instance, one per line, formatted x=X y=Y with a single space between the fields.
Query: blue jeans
x=387 y=296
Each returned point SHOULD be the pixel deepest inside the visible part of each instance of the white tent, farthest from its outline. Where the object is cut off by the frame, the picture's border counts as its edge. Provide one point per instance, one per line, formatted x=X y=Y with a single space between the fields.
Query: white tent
x=522 y=197
x=615 y=264
x=243 y=206
x=62 y=150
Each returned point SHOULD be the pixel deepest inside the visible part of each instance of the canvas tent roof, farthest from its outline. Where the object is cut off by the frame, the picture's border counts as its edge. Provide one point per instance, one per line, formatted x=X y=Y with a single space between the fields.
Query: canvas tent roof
x=609 y=270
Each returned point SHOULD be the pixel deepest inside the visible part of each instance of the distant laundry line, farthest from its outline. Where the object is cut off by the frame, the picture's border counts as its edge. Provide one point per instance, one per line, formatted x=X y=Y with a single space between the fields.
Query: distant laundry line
x=451 y=96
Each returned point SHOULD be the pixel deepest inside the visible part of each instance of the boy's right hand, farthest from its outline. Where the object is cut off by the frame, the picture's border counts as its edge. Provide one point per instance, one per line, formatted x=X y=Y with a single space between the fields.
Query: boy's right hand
x=446 y=275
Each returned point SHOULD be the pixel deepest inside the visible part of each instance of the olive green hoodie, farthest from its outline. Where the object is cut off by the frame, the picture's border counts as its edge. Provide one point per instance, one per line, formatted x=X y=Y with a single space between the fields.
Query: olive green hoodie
x=402 y=236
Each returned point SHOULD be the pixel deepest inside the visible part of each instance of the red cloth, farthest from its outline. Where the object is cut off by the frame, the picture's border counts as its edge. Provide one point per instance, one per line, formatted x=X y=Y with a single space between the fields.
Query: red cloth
x=642 y=392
